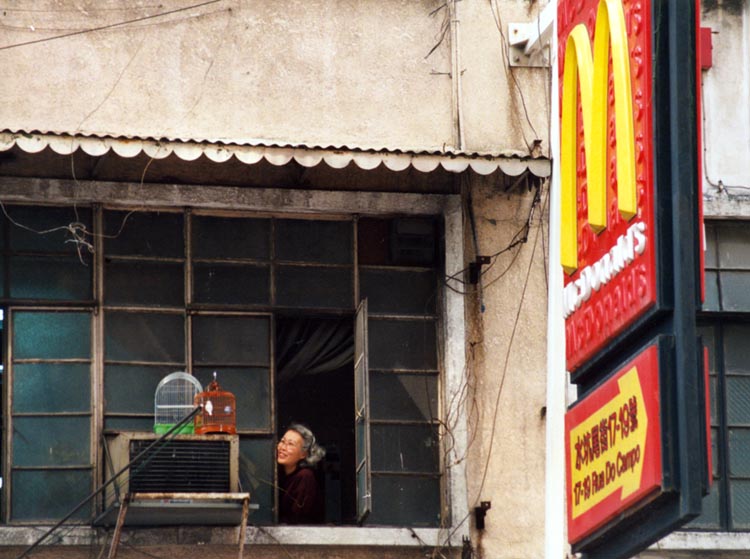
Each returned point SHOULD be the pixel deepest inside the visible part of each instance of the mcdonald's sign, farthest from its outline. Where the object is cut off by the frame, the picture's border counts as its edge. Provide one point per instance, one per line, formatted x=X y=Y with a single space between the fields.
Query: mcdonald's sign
x=637 y=436
x=607 y=178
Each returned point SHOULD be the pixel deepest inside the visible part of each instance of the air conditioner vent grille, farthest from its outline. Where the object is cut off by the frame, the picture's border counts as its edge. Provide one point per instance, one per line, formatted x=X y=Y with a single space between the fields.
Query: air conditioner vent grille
x=181 y=466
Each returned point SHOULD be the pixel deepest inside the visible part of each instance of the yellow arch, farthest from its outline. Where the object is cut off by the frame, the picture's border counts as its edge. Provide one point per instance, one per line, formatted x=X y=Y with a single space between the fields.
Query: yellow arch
x=592 y=75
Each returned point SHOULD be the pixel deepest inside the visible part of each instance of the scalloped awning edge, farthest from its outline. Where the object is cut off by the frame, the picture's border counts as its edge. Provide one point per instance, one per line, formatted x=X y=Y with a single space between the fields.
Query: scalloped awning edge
x=276 y=155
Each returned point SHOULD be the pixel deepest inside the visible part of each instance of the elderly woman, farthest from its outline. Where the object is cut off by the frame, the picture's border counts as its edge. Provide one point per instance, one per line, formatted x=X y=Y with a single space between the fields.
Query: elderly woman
x=300 y=499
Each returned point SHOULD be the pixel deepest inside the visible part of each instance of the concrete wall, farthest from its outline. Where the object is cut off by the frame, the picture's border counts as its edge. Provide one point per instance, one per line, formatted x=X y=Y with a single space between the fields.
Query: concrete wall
x=319 y=72
x=507 y=364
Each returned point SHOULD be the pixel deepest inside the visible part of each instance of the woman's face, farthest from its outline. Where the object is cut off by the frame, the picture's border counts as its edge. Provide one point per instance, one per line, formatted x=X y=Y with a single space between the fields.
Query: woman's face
x=289 y=451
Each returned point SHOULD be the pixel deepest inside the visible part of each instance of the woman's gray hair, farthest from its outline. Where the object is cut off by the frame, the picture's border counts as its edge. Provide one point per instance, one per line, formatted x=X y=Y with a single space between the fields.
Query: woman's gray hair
x=315 y=452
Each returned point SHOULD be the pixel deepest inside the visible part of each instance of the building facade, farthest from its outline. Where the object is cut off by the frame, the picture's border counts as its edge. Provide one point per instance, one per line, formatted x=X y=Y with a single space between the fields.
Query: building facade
x=216 y=187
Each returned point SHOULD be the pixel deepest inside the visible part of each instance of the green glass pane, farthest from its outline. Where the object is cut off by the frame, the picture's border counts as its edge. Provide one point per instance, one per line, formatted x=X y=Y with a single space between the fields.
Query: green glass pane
x=158 y=338
x=51 y=335
x=403 y=397
x=737 y=348
x=252 y=393
x=734 y=245
x=399 y=292
x=130 y=388
x=50 y=495
x=144 y=283
x=404 y=448
x=115 y=423
x=710 y=254
x=738 y=400
x=710 y=518
x=47 y=229
x=739 y=491
x=328 y=242
x=51 y=387
x=51 y=441
x=226 y=237
x=143 y=234
x=49 y=278
x=734 y=293
x=313 y=287
x=739 y=452
x=231 y=339
x=231 y=284
x=711 y=302
x=257 y=465
x=400 y=344
x=405 y=501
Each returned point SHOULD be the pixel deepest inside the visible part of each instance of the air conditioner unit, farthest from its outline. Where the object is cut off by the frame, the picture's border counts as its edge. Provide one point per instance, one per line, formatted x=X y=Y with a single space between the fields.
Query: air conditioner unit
x=181 y=464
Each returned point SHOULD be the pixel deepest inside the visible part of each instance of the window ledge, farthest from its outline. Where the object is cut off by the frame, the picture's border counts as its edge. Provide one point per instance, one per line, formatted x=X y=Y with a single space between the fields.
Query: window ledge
x=258 y=535
x=715 y=541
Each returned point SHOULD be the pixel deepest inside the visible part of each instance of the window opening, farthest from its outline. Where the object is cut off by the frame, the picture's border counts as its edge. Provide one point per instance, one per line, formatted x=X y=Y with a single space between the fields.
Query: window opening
x=315 y=386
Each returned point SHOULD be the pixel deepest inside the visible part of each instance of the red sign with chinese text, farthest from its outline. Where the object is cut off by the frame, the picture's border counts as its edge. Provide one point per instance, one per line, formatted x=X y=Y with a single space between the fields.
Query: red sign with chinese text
x=613 y=446
x=610 y=266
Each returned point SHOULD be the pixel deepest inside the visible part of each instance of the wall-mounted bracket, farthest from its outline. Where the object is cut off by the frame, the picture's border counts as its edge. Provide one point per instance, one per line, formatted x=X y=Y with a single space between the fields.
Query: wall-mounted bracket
x=528 y=42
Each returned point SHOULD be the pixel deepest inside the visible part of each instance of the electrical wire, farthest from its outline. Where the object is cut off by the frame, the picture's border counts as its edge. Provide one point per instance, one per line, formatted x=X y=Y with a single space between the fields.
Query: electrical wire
x=109 y=26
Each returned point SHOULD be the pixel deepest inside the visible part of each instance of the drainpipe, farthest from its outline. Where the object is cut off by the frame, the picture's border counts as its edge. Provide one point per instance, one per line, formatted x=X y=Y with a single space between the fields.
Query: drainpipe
x=458 y=126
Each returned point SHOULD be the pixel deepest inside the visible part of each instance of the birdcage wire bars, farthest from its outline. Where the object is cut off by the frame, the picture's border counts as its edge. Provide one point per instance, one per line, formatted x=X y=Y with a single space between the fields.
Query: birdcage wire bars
x=173 y=400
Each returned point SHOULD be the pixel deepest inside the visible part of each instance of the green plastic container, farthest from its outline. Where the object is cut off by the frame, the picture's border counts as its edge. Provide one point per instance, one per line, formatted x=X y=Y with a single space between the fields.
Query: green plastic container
x=162 y=428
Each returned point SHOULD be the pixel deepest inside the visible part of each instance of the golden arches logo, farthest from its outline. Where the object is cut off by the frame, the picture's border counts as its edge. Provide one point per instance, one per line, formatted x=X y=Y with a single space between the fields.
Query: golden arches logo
x=592 y=76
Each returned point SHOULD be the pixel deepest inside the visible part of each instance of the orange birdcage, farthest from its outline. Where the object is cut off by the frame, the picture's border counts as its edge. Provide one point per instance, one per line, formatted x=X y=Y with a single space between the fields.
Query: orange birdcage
x=217 y=414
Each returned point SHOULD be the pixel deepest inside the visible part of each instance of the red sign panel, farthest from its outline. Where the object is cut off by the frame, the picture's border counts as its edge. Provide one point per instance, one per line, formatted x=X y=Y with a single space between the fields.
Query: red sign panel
x=613 y=446
x=607 y=171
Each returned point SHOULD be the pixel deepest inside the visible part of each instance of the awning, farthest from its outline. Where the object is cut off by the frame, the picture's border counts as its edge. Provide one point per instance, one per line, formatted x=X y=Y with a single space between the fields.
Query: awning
x=218 y=151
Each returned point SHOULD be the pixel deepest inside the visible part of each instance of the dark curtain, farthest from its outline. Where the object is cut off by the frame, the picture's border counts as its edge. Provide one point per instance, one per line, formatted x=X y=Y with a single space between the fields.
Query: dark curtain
x=309 y=346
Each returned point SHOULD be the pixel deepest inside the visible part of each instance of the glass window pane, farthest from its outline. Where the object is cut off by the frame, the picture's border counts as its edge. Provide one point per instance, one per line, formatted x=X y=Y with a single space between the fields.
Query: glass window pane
x=712 y=292
x=231 y=339
x=404 y=397
x=231 y=284
x=130 y=388
x=252 y=393
x=118 y=423
x=399 y=292
x=144 y=283
x=54 y=221
x=156 y=338
x=50 y=495
x=739 y=452
x=256 y=476
x=406 y=241
x=328 y=242
x=400 y=344
x=738 y=400
x=51 y=387
x=61 y=278
x=734 y=245
x=710 y=518
x=710 y=254
x=405 y=501
x=143 y=234
x=737 y=348
x=51 y=335
x=311 y=287
x=740 y=497
x=51 y=441
x=404 y=448
x=227 y=237
x=734 y=293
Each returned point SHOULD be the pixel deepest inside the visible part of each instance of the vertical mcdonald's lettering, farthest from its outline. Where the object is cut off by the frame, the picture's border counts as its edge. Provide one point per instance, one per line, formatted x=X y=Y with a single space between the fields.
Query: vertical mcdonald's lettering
x=592 y=76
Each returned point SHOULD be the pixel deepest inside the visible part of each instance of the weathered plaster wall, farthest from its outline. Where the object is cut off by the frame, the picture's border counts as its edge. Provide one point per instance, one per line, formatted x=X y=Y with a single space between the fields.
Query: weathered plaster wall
x=318 y=72
x=507 y=364
x=726 y=90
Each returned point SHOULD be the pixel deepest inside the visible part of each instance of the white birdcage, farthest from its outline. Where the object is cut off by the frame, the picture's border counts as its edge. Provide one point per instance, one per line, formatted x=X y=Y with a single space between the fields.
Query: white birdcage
x=173 y=400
